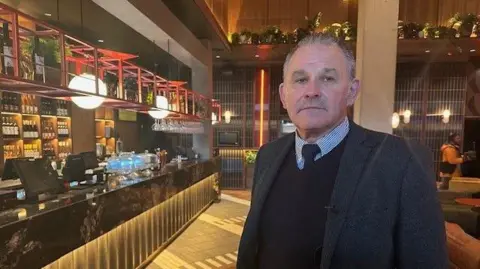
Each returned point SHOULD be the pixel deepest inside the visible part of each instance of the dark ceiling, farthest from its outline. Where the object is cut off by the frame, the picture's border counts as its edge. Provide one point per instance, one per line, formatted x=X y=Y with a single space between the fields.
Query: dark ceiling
x=87 y=21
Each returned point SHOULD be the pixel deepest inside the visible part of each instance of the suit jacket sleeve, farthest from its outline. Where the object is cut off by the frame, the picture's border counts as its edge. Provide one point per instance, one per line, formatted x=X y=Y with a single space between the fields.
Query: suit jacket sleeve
x=420 y=231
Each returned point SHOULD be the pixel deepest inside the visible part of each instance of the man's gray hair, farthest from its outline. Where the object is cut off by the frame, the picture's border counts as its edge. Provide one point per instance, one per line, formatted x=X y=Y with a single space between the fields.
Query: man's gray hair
x=324 y=39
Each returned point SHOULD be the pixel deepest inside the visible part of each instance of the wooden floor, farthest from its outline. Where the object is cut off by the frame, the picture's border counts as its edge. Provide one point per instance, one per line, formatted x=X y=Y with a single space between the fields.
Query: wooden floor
x=241 y=194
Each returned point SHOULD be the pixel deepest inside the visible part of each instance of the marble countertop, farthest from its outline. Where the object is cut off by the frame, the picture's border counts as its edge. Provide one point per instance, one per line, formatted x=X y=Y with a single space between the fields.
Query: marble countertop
x=23 y=209
x=33 y=235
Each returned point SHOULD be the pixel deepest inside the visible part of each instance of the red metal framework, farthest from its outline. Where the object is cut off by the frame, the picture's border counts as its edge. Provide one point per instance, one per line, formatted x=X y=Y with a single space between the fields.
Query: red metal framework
x=43 y=60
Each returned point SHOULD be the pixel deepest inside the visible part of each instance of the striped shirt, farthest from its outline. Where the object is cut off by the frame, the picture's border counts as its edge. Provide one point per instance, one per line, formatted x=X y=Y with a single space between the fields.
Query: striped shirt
x=326 y=142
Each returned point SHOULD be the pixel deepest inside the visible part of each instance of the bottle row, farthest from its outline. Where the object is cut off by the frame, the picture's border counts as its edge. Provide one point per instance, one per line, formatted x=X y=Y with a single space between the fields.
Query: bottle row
x=27 y=104
x=33 y=150
x=10 y=128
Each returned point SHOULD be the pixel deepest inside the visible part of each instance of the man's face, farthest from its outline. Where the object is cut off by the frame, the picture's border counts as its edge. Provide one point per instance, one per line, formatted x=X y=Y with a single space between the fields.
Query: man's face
x=457 y=140
x=317 y=87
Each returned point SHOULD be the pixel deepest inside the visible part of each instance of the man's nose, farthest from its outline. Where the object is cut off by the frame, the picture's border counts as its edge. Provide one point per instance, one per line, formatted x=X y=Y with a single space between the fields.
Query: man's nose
x=312 y=91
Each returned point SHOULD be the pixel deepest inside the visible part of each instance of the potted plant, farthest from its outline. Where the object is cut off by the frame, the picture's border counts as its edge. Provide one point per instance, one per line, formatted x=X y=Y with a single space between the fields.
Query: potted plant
x=250 y=157
x=335 y=30
x=299 y=34
x=412 y=30
x=48 y=50
x=349 y=31
x=271 y=35
x=314 y=23
x=445 y=32
x=235 y=39
x=463 y=24
x=245 y=37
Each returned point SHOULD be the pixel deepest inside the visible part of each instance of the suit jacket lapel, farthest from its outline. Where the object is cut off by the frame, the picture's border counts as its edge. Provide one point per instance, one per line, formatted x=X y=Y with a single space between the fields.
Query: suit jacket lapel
x=350 y=171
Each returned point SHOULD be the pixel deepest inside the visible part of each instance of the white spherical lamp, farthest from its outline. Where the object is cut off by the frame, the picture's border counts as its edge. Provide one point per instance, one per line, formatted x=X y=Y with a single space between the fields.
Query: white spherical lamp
x=162 y=103
x=86 y=83
x=395 y=120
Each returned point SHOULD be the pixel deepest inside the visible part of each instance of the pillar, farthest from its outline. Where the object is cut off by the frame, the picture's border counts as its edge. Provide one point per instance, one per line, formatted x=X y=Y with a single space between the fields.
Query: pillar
x=376 y=63
x=202 y=82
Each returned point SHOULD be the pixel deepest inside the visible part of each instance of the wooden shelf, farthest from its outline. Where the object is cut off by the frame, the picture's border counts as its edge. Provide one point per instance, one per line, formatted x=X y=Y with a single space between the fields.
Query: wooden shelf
x=104 y=120
x=24 y=145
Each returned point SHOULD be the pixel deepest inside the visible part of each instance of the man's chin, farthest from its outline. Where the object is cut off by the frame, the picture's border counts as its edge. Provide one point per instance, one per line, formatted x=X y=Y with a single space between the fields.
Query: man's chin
x=311 y=124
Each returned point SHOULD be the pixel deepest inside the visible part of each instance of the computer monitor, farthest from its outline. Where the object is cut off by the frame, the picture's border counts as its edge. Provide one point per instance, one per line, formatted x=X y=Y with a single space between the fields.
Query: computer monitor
x=74 y=169
x=38 y=177
x=89 y=159
x=9 y=172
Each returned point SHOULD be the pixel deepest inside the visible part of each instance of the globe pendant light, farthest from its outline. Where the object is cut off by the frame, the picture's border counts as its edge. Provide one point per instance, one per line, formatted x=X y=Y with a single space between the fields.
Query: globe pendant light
x=86 y=83
x=162 y=103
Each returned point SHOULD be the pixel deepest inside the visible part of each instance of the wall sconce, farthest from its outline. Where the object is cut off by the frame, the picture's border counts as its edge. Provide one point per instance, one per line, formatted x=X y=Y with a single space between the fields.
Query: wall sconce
x=228 y=116
x=395 y=120
x=446 y=116
x=406 y=116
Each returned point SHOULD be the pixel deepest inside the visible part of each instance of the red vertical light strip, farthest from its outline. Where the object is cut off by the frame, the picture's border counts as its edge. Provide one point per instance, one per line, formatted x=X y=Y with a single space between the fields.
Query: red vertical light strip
x=262 y=101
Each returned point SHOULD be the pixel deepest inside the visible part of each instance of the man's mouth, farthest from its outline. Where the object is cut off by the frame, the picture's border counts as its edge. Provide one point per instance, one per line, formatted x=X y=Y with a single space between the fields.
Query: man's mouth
x=311 y=107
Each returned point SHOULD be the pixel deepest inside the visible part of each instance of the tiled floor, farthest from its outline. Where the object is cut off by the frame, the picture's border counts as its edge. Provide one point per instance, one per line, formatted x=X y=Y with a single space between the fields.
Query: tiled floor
x=211 y=241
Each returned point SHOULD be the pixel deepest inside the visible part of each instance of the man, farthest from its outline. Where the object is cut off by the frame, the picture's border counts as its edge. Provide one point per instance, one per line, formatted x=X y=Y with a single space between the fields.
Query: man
x=451 y=160
x=335 y=195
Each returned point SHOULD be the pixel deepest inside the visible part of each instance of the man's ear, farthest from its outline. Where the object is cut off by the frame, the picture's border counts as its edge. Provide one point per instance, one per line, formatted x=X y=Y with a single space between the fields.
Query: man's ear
x=353 y=92
x=281 y=90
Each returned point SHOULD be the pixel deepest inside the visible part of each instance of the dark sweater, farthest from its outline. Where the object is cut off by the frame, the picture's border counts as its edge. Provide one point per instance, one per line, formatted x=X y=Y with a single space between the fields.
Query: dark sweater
x=293 y=219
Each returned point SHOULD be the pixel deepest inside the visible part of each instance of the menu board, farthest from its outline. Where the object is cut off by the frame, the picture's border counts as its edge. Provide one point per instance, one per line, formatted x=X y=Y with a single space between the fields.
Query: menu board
x=126 y=115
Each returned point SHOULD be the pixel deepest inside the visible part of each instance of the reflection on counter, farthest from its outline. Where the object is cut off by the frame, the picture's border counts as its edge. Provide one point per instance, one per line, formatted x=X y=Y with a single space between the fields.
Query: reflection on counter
x=41 y=232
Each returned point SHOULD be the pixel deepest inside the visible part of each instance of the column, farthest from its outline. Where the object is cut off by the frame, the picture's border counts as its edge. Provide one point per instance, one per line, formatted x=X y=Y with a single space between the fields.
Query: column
x=202 y=82
x=376 y=63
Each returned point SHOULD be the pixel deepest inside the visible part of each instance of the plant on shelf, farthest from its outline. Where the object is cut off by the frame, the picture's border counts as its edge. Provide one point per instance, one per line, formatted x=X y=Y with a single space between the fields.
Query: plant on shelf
x=410 y=30
x=345 y=31
x=47 y=48
x=312 y=27
x=463 y=24
x=250 y=156
x=459 y=26
x=272 y=35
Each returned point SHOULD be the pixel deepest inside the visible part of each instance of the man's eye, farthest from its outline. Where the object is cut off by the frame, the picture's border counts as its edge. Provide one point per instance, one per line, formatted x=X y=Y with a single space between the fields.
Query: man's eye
x=328 y=79
x=301 y=80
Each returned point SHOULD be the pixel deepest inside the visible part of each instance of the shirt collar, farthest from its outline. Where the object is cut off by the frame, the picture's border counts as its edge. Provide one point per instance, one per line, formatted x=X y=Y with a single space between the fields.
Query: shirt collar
x=327 y=142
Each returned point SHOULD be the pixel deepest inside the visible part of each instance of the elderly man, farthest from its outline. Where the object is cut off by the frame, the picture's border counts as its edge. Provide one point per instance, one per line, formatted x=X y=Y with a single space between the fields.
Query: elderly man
x=333 y=194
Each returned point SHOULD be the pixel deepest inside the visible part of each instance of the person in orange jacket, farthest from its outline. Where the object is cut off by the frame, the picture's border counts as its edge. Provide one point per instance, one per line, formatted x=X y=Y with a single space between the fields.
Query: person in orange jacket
x=451 y=160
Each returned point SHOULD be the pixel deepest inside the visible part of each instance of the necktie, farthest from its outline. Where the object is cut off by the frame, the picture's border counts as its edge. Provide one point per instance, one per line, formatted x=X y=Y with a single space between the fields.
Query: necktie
x=309 y=151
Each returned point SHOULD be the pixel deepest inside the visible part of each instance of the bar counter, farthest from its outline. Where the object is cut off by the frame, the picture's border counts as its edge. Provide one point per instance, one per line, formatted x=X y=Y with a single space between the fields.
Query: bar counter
x=113 y=225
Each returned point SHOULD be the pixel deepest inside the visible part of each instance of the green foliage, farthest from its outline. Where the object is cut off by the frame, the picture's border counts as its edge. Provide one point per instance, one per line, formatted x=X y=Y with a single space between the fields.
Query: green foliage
x=250 y=156
x=460 y=25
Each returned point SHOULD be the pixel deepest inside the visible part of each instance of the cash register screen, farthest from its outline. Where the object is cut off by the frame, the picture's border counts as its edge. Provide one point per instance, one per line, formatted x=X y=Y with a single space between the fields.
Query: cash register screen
x=89 y=159
x=9 y=171
x=74 y=169
x=38 y=176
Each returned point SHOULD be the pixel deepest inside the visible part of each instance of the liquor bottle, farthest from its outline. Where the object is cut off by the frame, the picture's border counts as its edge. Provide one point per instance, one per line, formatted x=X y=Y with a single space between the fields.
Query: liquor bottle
x=4 y=126
x=33 y=101
x=16 y=129
x=5 y=102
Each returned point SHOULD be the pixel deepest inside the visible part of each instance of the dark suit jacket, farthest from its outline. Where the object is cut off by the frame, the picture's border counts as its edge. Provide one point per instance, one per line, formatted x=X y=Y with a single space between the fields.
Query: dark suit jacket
x=385 y=214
